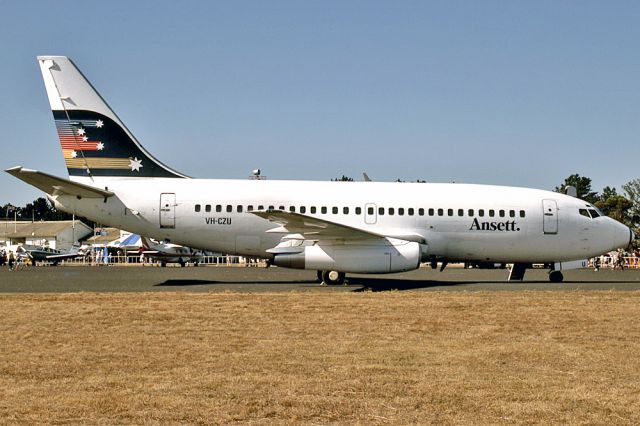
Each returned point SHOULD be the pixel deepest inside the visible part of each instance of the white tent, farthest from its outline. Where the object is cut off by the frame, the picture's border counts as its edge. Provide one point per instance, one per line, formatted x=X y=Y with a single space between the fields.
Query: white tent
x=128 y=242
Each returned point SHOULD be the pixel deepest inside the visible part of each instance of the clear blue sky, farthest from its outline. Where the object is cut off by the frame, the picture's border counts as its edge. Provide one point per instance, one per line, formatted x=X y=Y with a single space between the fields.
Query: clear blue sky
x=500 y=92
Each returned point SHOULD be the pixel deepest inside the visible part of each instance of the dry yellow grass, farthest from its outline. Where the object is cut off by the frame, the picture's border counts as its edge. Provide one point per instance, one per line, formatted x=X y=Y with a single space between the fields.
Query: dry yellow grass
x=510 y=357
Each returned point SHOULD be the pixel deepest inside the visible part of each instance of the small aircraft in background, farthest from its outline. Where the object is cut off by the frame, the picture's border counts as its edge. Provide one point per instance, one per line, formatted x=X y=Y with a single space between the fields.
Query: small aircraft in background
x=44 y=254
x=170 y=253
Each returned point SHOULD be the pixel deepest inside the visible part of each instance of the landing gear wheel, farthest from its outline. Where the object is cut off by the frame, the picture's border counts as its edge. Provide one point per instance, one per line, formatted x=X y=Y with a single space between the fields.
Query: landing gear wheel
x=319 y=276
x=333 y=277
x=555 y=276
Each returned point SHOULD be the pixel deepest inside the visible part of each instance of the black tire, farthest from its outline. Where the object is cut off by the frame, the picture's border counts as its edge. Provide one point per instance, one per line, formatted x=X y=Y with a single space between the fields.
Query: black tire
x=319 y=276
x=333 y=277
x=163 y=264
x=556 y=276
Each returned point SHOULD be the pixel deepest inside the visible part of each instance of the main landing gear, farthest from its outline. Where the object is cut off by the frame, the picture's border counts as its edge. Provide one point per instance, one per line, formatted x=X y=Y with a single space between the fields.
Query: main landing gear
x=555 y=276
x=331 y=277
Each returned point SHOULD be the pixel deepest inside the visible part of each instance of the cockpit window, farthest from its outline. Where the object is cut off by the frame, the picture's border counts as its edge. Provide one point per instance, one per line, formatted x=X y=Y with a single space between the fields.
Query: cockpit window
x=584 y=213
x=594 y=213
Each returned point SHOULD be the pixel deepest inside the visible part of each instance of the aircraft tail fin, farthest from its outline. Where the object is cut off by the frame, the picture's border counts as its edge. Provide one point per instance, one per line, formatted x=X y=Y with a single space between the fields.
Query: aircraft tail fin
x=145 y=242
x=94 y=141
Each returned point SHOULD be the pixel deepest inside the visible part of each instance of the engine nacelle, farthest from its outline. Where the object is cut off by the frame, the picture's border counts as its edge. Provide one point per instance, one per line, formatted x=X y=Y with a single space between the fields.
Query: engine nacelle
x=375 y=258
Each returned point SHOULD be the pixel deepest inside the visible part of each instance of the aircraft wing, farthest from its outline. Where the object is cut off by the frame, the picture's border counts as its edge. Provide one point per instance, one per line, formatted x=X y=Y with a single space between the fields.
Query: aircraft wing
x=63 y=256
x=54 y=185
x=313 y=228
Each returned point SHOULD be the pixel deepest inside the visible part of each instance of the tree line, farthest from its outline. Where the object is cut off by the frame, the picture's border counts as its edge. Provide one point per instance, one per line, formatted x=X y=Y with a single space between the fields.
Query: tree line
x=623 y=207
x=40 y=209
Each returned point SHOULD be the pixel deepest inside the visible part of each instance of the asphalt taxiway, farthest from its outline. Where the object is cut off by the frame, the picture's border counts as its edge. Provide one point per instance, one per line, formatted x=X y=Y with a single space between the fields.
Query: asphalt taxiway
x=70 y=279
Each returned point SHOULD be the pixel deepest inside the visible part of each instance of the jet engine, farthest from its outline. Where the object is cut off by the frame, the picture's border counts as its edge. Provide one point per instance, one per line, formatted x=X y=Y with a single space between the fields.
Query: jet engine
x=374 y=258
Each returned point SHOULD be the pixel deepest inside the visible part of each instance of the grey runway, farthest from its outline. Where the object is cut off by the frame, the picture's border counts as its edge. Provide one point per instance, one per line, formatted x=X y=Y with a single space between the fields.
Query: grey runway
x=69 y=279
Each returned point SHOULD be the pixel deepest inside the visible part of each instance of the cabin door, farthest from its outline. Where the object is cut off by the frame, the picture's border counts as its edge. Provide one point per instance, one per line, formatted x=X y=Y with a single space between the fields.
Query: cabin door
x=550 y=216
x=167 y=210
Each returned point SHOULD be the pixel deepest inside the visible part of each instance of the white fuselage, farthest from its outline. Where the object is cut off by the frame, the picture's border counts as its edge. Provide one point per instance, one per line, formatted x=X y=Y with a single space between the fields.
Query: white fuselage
x=459 y=222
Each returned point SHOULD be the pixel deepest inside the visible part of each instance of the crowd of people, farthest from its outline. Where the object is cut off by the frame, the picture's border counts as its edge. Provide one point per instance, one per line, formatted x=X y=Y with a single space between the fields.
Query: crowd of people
x=7 y=259
x=618 y=259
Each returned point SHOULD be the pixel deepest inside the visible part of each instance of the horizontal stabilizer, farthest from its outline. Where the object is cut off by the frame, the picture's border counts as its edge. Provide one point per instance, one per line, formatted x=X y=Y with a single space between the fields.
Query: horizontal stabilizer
x=54 y=185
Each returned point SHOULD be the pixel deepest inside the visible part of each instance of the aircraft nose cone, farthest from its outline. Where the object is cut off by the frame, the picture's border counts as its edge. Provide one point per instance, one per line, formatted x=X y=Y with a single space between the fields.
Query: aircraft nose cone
x=624 y=236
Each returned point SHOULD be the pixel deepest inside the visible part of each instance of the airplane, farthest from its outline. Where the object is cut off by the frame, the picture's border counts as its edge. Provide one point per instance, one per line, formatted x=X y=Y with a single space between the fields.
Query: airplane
x=170 y=253
x=334 y=227
x=44 y=254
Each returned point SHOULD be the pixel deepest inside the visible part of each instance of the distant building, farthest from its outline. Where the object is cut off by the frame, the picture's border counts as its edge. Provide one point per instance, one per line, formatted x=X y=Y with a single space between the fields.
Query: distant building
x=59 y=235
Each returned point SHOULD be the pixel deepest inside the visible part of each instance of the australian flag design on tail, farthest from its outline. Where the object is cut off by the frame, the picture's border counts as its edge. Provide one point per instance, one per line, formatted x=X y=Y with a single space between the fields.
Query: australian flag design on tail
x=93 y=144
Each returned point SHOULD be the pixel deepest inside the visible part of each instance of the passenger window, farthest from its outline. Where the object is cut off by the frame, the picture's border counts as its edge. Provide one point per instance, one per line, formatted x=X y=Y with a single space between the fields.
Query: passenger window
x=391 y=211
x=584 y=213
x=492 y=213
x=207 y=208
x=239 y=209
x=410 y=211
x=400 y=211
x=522 y=213
x=470 y=212
x=218 y=208
x=229 y=208
x=421 y=212
x=282 y=208
x=449 y=212
x=345 y=210
x=249 y=208
x=370 y=210
x=272 y=207
x=323 y=210
x=594 y=213
x=501 y=213
x=303 y=209
x=292 y=209
x=381 y=211
x=460 y=212
x=431 y=212
x=481 y=212
x=197 y=208
x=260 y=207
x=512 y=213
x=358 y=210
x=440 y=212
x=334 y=210
x=313 y=210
